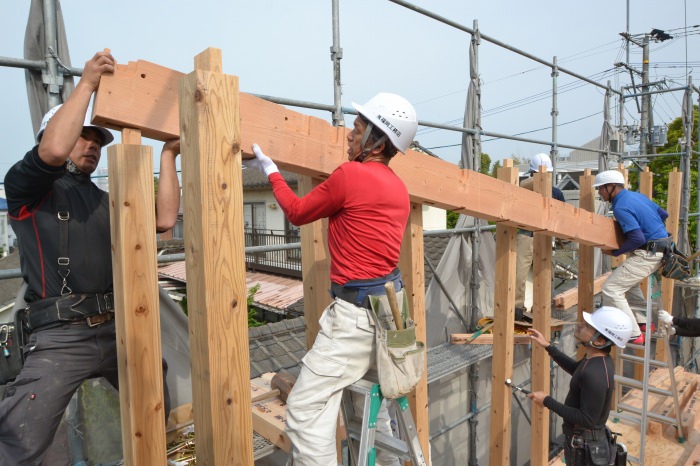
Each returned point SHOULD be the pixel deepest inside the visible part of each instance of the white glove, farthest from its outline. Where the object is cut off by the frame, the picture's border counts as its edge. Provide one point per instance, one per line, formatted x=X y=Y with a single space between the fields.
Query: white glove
x=665 y=318
x=261 y=162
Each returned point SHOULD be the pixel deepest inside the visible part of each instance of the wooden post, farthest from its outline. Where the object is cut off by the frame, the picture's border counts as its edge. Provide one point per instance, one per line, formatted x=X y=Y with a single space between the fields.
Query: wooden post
x=215 y=260
x=673 y=207
x=542 y=320
x=315 y=266
x=586 y=281
x=504 y=318
x=412 y=265
x=133 y=231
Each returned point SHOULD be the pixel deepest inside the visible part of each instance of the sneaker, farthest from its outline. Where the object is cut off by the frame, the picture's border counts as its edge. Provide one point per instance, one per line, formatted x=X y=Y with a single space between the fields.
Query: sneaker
x=643 y=328
x=637 y=341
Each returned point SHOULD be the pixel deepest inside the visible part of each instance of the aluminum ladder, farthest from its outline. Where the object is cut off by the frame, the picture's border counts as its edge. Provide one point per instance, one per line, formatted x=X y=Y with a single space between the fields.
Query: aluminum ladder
x=632 y=413
x=363 y=429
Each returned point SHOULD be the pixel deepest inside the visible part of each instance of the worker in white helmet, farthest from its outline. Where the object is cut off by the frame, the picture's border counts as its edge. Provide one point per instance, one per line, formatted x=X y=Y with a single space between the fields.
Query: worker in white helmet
x=367 y=207
x=587 y=405
x=62 y=222
x=645 y=240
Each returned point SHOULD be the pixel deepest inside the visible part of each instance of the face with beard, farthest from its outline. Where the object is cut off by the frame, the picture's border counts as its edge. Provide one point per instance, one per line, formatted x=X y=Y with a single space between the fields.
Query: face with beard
x=87 y=151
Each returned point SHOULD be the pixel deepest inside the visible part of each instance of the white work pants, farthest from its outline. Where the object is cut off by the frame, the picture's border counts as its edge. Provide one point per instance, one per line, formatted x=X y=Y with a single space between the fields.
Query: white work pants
x=343 y=352
x=625 y=280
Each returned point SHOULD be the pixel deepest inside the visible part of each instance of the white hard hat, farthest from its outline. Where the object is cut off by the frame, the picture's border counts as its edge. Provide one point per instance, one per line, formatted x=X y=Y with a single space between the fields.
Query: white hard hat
x=106 y=135
x=612 y=323
x=392 y=115
x=608 y=177
x=541 y=159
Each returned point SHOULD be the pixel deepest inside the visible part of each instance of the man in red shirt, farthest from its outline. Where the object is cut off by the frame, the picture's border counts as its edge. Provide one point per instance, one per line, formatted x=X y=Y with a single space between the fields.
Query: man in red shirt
x=367 y=207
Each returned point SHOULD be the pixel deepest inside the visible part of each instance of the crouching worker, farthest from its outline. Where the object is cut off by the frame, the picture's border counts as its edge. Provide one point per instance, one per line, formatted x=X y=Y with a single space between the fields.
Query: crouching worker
x=587 y=405
x=367 y=207
x=61 y=219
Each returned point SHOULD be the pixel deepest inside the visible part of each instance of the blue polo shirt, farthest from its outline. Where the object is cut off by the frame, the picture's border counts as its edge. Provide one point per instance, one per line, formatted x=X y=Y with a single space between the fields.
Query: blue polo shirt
x=636 y=211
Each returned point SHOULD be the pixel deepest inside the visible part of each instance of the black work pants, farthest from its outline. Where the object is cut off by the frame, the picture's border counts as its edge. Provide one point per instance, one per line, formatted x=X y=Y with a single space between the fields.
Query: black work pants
x=57 y=361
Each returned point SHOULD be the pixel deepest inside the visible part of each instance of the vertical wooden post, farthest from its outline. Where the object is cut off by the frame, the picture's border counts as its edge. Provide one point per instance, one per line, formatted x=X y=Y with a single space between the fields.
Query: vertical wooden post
x=646 y=187
x=412 y=265
x=542 y=320
x=133 y=231
x=504 y=319
x=315 y=266
x=215 y=260
x=586 y=280
x=673 y=207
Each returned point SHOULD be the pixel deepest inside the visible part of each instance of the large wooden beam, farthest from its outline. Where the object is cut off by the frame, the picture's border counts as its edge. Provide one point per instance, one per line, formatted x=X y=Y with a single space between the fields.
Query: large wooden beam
x=143 y=95
x=215 y=260
x=132 y=222
x=542 y=320
x=504 y=319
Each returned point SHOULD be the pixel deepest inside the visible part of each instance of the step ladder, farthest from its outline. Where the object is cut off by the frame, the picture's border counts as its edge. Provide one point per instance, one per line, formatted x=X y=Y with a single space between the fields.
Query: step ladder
x=632 y=413
x=362 y=428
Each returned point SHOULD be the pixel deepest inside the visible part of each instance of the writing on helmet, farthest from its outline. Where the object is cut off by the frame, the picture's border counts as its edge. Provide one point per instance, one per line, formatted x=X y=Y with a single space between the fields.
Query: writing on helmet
x=388 y=124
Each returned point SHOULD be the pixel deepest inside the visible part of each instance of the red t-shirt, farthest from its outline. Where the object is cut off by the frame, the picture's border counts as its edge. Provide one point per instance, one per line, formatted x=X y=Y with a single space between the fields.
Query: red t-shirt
x=367 y=207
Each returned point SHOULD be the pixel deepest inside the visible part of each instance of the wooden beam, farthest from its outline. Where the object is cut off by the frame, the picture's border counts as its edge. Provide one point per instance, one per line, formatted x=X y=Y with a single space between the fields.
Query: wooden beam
x=673 y=207
x=142 y=95
x=214 y=241
x=504 y=318
x=569 y=298
x=542 y=320
x=411 y=264
x=132 y=223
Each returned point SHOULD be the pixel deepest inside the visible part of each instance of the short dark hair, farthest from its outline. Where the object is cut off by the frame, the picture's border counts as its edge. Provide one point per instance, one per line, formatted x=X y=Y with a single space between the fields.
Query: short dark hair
x=375 y=135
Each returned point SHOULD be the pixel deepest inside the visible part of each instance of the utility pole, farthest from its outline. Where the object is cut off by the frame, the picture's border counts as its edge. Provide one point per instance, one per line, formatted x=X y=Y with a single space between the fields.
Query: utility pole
x=646 y=99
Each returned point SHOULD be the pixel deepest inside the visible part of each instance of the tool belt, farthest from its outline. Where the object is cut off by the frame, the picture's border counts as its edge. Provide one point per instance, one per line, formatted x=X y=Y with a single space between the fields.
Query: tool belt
x=598 y=443
x=357 y=292
x=658 y=245
x=93 y=309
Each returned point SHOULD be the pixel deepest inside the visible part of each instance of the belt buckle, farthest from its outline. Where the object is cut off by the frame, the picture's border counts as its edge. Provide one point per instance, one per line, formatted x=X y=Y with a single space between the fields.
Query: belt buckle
x=99 y=319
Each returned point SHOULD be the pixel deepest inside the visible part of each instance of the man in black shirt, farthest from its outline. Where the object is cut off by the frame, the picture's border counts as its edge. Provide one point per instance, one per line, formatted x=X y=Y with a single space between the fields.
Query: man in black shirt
x=61 y=219
x=587 y=405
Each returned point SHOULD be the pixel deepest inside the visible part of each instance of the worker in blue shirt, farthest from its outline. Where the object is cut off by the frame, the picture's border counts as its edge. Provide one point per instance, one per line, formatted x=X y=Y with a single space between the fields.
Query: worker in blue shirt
x=645 y=239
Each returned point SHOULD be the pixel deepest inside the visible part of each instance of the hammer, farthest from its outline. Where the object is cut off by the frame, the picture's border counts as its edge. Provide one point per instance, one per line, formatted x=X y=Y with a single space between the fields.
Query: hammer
x=393 y=304
x=283 y=382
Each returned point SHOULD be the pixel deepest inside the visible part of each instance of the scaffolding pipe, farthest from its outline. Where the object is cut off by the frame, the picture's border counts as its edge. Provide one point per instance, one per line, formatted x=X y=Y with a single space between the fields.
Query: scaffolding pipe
x=474 y=283
x=336 y=55
x=50 y=75
x=494 y=41
x=554 y=151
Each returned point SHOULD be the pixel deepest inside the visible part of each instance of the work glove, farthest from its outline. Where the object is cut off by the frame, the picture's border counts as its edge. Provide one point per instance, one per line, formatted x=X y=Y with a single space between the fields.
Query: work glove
x=666 y=320
x=261 y=162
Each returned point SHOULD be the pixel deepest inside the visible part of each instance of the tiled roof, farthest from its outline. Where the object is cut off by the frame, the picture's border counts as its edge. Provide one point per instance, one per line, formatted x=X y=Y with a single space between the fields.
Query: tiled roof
x=276 y=346
x=275 y=292
x=433 y=247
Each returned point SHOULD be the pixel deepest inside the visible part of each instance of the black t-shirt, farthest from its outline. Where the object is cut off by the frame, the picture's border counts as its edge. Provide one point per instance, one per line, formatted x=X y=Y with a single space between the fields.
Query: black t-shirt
x=31 y=187
x=587 y=404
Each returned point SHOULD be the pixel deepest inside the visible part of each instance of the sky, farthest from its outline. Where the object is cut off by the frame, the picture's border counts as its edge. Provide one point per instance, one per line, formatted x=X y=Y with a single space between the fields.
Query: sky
x=282 y=48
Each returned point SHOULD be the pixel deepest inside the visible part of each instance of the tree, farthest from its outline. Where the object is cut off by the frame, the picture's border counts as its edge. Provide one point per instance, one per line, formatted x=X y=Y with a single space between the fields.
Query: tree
x=662 y=166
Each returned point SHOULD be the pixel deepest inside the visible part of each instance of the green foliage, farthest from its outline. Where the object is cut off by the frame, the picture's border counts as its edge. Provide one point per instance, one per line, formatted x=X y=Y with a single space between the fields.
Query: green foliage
x=252 y=312
x=494 y=169
x=662 y=166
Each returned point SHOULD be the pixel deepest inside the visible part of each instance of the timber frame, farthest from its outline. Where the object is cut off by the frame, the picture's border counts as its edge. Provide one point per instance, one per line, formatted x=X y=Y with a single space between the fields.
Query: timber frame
x=217 y=125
